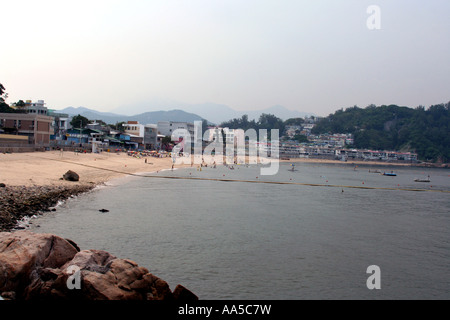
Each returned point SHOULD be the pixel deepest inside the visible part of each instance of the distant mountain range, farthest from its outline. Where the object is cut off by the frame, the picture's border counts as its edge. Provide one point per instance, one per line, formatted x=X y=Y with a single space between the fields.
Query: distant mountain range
x=213 y=113
x=144 y=118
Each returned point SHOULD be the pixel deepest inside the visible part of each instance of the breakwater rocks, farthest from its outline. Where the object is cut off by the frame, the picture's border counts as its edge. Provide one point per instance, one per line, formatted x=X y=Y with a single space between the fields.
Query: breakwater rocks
x=17 y=202
x=47 y=267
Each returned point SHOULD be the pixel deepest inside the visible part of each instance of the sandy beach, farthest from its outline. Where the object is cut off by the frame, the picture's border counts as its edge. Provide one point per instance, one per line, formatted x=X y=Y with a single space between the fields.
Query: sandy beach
x=46 y=168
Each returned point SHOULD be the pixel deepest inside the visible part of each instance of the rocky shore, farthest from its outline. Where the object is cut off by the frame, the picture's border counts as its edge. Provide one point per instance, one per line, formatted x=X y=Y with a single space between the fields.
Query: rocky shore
x=47 y=267
x=18 y=202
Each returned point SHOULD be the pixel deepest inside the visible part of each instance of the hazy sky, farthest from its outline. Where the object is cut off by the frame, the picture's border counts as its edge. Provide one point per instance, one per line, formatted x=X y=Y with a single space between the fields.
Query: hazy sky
x=313 y=56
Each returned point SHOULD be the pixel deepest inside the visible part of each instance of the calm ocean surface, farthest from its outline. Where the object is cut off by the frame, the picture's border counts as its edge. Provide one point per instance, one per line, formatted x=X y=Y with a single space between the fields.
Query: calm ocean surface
x=238 y=240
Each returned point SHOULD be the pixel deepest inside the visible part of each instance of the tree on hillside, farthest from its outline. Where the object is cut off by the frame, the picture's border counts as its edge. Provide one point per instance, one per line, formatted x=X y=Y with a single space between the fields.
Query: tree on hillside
x=294 y=122
x=240 y=123
x=118 y=126
x=79 y=121
x=3 y=95
x=3 y=106
x=300 y=138
x=20 y=104
x=420 y=130
x=271 y=122
x=266 y=121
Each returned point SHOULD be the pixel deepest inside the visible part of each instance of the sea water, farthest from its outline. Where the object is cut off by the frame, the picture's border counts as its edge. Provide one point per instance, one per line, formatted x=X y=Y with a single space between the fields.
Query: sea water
x=299 y=240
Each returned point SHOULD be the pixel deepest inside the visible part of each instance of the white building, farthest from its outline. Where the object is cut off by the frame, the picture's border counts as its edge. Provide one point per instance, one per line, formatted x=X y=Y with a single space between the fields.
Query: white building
x=36 y=107
x=61 y=123
x=167 y=128
x=134 y=128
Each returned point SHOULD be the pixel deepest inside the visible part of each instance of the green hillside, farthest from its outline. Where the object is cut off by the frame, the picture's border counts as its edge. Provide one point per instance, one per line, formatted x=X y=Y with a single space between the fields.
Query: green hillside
x=421 y=130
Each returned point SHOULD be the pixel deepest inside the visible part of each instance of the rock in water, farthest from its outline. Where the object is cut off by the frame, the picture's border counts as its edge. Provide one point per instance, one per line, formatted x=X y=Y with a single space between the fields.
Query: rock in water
x=182 y=294
x=71 y=176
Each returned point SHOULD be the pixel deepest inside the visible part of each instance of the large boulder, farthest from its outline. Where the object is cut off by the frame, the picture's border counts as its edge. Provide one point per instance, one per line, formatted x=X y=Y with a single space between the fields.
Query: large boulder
x=22 y=252
x=104 y=277
x=71 y=176
x=44 y=266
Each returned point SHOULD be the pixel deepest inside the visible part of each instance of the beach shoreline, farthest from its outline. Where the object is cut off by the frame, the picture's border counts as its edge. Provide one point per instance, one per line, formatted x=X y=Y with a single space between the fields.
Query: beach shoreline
x=38 y=175
x=31 y=183
x=47 y=168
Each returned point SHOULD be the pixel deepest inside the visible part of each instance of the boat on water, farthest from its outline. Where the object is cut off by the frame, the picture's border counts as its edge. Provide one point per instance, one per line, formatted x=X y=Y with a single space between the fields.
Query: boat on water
x=389 y=174
x=374 y=171
x=422 y=180
x=292 y=168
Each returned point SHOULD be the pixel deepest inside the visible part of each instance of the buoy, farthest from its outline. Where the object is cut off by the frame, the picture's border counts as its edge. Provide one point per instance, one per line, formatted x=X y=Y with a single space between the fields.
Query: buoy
x=363 y=182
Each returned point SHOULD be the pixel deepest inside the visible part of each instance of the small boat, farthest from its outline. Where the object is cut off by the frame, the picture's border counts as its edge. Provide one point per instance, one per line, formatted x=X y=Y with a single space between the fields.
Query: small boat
x=391 y=174
x=423 y=180
x=292 y=168
x=374 y=171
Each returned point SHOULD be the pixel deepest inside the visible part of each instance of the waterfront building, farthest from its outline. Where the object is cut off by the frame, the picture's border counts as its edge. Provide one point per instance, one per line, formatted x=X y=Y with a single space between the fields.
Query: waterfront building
x=134 y=128
x=37 y=127
x=150 y=136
